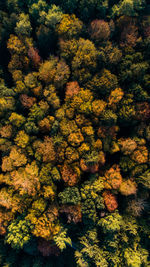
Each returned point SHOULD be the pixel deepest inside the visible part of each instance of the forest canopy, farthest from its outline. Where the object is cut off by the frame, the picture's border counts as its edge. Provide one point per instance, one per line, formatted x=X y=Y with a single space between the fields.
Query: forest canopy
x=74 y=133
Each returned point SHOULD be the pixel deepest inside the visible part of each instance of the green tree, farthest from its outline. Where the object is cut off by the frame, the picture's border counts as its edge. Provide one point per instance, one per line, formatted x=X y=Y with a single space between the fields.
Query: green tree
x=23 y=26
x=70 y=195
x=62 y=240
x=90 y=254
x=54 y=16
x=129 y=7
x=37 y=8
x=19 y=233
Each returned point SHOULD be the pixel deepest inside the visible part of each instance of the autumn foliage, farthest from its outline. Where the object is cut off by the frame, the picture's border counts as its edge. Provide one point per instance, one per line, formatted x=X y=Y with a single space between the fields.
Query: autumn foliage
x=110 y=201
x=74 y=133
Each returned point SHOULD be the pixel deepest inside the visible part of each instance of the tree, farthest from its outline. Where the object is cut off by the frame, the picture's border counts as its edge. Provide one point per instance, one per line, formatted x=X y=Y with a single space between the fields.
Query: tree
x=103 y=82
x=127 y=146
x=99 y=30
x=90 y=162
x=54 y=16
x=89 y=250
x=110 y=201
x=36 y=113
x=140 y=155
x=133 y=69
x=143 y=112
x=15 y=45
x=7 y=104
x=69 y=175
x=85 y=56
x=72 y=88
x=27 y=101
x=36 y=9
x=26 y=180
x=54 y=71
x=128 y=187
x=31 y=127
x=47 y=70
x=127 y=111
x=115 y=97
x=23 y=26
x=109 y=55
x=22 y=139
x=8 y=201
x=129 y=35
x=62 y=240
x=43 y=228
x=62 y=74
x=38 y=207
x=30 y=80
x=98 y=106
x=108 y=117
x=71 y=155
x=70 y=26
x=144 y=179
x=45 y=125
x=6 y=131
x=75 y=138
x=16 y=159
x=51 y=96
x=16 y=119
x=4 y=90
x=5 y=218
x=19 y=233
x=34 y=56
x=129 y=7
x=46 y=149
x=70 y=195
x=133 y=257
x=136 y=207
x=112 y=223
x=113 y=178
x=68 y=48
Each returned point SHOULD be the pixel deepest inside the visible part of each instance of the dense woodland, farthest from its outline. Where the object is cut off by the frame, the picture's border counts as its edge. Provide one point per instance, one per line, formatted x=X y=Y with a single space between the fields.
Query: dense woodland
x=74 y=133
